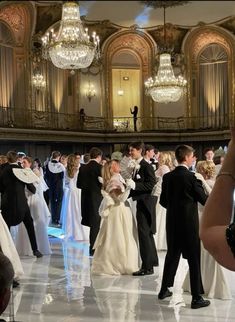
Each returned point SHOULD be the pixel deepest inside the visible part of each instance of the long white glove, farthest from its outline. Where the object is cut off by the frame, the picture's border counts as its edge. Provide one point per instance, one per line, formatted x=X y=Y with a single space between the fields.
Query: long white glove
x=130 y=183
x=124 y=196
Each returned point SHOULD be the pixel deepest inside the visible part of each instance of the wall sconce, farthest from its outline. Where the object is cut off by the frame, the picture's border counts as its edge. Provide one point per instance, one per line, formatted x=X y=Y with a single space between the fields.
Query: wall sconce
x=90 y=92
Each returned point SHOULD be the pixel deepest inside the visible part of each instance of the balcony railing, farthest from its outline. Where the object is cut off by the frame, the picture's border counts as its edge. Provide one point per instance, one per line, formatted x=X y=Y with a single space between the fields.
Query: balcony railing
x=33 y=119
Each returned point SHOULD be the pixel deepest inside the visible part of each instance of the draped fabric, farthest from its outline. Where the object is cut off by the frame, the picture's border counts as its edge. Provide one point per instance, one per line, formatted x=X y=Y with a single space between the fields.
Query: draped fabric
x=57 y=86
x=6 y=77
x=213 y=87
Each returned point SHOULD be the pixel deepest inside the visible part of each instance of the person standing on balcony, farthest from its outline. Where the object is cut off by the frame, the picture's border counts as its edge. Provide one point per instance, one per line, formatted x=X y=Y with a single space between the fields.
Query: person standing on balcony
x=135 y=113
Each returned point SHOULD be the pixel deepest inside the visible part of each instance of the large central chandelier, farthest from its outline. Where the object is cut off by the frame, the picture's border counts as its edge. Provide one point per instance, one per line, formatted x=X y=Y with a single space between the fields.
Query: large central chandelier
x=72 y=47
x=165 y=87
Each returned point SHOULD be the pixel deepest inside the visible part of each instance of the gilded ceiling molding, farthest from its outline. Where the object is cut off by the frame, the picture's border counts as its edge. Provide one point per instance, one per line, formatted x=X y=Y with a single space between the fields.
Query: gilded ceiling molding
x=131 y=42
x=19 y=18
x=206 y=38
x=13 y=16
x=200 y=37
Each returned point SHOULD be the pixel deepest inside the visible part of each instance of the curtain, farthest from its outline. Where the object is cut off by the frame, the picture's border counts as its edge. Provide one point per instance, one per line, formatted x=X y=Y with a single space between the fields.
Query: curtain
x=58 y=88
x=6 y=77
x=213 y=87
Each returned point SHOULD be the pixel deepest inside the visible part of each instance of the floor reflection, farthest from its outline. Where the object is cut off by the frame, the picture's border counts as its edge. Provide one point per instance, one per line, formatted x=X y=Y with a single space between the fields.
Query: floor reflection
x=59 y=288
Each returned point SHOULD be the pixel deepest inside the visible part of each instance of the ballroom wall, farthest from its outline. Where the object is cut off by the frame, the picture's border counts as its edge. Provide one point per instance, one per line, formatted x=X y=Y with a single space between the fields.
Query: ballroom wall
x=131 y=49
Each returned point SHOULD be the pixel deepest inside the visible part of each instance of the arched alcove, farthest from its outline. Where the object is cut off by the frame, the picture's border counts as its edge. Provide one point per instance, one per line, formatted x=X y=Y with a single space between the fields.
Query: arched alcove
x=126 y=51
x=126 y=77
x=201 y=42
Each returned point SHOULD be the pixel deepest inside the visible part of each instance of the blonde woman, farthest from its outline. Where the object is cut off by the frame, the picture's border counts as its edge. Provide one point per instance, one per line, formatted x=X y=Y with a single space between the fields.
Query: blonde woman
x=213 y=276
x=71 y=205
x=115 y=247
x=165 y=165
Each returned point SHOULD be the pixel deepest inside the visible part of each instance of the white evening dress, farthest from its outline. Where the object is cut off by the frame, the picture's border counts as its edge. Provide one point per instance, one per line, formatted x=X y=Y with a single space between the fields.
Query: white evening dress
x=160 y=236
x=8 y=248
x=41 y=216
x=115 y=247
x=71 y=211
x=213 y=275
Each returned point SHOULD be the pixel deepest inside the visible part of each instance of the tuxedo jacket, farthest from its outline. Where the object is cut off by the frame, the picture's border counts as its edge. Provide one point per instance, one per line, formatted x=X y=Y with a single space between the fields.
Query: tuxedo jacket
x=144 y=182
x=54 y=181
x=181 y=191
x=14 y=204
x=91 y=196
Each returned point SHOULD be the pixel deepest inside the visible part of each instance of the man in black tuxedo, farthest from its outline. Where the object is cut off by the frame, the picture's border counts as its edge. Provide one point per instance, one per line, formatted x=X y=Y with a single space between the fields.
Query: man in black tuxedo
x=54 y=175
x=141 y=188
x=14 y=204
x=91 y=196
x=181 y=191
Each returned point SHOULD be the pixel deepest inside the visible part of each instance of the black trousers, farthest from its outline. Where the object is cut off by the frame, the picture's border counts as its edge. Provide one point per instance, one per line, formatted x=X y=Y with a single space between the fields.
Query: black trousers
x=55 y=198
x=28 y=222
x=94 y=229
x=148 y=251
x=171 y=265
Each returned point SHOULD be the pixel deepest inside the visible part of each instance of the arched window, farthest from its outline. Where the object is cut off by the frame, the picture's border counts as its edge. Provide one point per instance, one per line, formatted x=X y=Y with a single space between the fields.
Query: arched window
x=213 y=87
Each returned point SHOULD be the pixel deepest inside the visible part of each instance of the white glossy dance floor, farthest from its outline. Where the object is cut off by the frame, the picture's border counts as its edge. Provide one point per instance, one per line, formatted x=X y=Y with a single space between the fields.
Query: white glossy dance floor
x=59 y=288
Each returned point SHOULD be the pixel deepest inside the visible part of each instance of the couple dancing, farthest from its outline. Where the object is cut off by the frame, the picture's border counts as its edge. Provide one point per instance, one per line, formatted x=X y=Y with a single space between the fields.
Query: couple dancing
x=116 y=250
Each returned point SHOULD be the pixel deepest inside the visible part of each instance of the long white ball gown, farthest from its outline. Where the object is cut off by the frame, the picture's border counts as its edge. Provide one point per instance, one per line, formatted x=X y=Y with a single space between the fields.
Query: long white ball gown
x=71 y=211
x=160 y=236
x=115 y=247
x=8 y=248
x=41 y=215
x=213 y=275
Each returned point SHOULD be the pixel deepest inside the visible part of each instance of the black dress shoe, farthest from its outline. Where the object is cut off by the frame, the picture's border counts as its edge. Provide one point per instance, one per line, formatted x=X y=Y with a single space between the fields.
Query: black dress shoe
x=37 y=254
x=199 y=302
x=163 y=294
x=15 y=284
x=143 y=272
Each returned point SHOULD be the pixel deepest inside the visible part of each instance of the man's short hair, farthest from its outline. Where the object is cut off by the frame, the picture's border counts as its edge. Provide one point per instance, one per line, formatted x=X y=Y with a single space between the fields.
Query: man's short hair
x=6 y=273
x=86 y=157
x=12 y=156
x=149 y=147
x=95 y=152
x=137 y=146
x=55 y=154
x=182 y=151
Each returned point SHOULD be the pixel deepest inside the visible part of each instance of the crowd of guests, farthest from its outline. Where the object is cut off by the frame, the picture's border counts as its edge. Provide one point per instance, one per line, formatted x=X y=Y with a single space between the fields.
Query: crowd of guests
x=128 y=206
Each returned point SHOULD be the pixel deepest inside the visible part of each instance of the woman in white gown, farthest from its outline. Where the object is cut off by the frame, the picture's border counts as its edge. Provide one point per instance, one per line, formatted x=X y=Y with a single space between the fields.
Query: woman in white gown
x=40 y=214
x=71 y=205
x=213 y=275
x=115 y=247
x=8 y=248
x=165 y=166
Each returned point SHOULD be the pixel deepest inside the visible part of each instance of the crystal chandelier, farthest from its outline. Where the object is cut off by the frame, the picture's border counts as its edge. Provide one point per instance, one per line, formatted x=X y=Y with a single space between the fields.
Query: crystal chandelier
x=38 y=81
x=71 y=48
x=165 y=87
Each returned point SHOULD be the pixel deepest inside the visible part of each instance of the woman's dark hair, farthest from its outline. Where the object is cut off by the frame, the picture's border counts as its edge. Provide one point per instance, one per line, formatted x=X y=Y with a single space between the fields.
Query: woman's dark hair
x=38 y=162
